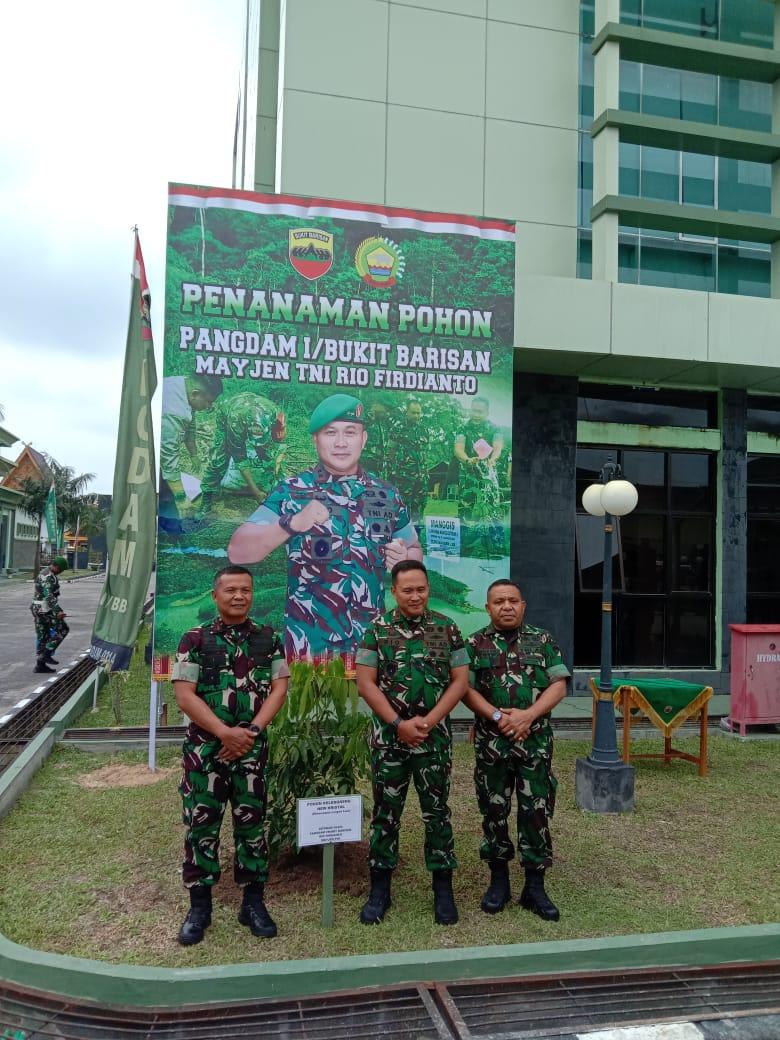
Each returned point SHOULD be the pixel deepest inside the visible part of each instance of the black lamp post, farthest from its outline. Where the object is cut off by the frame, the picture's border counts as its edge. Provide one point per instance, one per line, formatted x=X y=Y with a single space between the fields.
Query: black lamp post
x=603 y=782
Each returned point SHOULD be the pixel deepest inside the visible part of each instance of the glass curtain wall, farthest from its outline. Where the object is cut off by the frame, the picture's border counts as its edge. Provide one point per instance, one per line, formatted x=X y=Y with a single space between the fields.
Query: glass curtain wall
x=748 y=22
x=677 y=260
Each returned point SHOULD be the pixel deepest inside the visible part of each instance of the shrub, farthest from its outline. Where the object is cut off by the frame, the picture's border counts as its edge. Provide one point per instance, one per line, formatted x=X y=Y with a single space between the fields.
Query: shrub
x=318 y=745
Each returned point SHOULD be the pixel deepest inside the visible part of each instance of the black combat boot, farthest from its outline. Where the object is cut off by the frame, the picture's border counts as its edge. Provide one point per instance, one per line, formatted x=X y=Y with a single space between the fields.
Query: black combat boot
x=254 y=915
x=49 y=659
x=41 y=666
x=444 y=909
x=498 y=893
x=378 y=902
x=534 y=898
x=199 y=916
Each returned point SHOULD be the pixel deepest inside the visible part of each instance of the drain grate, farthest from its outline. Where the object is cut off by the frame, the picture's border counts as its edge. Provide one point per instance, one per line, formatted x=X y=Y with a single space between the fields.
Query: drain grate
x=560 y=1006
x=28 y=720
x=506 y=1009
x=406 y=1013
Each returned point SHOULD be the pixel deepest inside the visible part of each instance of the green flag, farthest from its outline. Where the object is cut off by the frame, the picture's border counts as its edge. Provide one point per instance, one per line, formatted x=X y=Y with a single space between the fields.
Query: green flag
x=50 y=517
x=132 y=527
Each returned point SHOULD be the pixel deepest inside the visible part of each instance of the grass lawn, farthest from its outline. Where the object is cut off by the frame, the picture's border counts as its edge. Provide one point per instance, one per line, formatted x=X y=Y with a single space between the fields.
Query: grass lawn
x=95 y=872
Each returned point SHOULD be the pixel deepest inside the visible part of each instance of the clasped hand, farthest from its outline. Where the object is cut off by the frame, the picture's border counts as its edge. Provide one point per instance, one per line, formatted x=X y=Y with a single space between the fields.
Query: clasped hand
x=515 y=723
x=413 y=731
x=236 y=742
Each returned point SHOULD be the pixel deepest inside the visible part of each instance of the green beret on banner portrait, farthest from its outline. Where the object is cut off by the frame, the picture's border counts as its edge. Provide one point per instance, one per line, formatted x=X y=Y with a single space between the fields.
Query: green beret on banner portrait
x=337 y=408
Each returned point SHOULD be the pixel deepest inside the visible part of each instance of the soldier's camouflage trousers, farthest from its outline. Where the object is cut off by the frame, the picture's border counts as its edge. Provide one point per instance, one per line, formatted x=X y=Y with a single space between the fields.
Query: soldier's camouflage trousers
x=391 y=770
x=49 y=632
x=531 y=780
x=206 y=788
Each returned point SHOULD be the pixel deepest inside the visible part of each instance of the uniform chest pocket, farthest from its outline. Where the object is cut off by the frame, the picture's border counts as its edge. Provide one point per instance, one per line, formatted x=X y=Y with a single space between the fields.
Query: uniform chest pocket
x=376 y=508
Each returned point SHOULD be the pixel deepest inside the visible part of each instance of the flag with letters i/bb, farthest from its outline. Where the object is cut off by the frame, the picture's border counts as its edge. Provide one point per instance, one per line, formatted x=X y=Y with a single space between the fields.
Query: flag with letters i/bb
x=133 y=522
x=50 y=517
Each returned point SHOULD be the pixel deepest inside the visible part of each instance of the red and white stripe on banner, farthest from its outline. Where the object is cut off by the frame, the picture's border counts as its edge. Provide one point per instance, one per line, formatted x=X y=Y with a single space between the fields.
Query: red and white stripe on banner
x=309 y=209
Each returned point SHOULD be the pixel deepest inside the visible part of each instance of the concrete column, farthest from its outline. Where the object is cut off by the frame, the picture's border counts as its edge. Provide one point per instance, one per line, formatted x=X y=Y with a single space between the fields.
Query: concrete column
x=544 y=445
x=733 y=515
x=606 y=145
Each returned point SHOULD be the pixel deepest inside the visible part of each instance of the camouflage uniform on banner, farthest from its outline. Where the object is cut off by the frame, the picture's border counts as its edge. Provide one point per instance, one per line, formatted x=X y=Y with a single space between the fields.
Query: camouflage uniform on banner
x=375 y=457
x=243 y=423
x=336 y=570
x=233 y=666
x=480 y=493
x=408 y=451
x=50 y=630
x=413 y=658
x=511 y=669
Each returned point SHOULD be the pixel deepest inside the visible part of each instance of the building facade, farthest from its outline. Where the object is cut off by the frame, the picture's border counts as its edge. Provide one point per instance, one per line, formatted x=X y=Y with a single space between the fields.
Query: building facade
x=636 y=143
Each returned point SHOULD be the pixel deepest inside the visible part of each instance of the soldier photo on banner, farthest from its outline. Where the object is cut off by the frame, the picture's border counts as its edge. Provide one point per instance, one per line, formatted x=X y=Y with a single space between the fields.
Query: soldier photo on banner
x=337 y=398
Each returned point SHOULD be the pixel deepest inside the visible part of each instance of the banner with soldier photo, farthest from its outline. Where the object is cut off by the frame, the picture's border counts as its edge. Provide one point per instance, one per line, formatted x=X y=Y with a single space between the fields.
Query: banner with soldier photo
x=337 y=396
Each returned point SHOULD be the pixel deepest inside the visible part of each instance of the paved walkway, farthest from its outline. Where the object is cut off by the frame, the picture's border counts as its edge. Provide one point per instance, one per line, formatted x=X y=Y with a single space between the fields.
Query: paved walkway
x=79 y=599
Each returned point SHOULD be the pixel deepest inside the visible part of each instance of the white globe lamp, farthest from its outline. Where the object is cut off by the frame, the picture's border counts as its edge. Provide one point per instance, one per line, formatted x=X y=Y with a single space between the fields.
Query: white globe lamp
x=591 y=500
x=619 y=497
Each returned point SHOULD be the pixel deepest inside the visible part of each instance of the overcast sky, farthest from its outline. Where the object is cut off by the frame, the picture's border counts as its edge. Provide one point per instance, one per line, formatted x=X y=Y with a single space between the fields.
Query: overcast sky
x=103 y=104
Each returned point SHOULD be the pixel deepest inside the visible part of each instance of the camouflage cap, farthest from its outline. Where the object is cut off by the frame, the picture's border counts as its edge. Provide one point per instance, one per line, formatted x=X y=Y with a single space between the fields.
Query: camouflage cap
x=337 y=408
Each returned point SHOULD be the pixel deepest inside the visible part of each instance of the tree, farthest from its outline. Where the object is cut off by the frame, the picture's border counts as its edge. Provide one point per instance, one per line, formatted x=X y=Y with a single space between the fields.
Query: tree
x=69 y=488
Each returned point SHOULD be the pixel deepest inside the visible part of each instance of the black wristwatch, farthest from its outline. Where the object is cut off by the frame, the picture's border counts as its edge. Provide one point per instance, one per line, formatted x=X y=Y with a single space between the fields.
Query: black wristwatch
x=396 y=722
x=254 y=730
x=284 y=522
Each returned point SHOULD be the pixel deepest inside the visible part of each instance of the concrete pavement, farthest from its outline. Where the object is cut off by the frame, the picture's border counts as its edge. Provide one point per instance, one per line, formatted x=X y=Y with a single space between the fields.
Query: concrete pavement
x=79 y=600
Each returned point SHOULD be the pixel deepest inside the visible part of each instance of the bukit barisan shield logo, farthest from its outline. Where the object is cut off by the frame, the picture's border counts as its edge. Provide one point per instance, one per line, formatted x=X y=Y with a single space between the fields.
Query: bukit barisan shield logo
x=311 y=252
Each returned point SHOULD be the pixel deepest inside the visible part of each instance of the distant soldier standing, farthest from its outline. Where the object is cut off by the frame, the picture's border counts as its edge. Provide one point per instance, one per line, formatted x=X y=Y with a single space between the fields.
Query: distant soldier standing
x=375 y=457
x=408 y=451
x=411 y=671
x=343 y=529
x=231 y=679
x=516 y=678
x=50 y=627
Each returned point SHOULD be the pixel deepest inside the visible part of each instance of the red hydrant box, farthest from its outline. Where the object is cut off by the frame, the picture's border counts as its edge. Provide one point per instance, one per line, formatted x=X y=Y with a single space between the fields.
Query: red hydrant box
x=755 y=675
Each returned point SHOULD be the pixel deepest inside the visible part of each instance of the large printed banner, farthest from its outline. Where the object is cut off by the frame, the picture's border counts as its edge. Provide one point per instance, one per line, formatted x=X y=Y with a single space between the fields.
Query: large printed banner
x=337 y=396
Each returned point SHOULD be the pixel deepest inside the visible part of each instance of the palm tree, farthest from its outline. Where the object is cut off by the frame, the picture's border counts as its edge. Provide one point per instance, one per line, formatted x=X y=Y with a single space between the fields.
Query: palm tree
x=69 y=487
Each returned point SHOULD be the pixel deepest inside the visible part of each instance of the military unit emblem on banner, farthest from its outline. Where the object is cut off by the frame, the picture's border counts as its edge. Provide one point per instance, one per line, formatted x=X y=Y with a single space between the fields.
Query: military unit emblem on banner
x=380 y=262
x=310 y=251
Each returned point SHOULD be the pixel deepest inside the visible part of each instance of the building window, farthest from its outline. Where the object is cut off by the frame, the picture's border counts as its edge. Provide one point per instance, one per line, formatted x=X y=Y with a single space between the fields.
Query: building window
x=664 y=577
x=763 y=539
x=696 y=96
x=646 y=406
x=692 y=179
x=749 y=22
x=683 y=262
x=763 y=415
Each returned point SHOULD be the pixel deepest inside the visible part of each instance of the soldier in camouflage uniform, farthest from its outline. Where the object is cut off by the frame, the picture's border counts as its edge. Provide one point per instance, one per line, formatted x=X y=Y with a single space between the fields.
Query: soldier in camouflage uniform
x=244 y=423
x=478 y=448
x=183 y=396
x=516 y=678
x=411 y=671
x=375 y=457
x=408 y=450
x=49 y=618
x=231 y=679
x=343 y=527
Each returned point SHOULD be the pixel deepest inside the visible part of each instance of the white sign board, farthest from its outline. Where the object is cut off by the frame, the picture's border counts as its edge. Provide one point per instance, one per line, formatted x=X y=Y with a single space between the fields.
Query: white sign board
x=443 y=535
x=329 y=821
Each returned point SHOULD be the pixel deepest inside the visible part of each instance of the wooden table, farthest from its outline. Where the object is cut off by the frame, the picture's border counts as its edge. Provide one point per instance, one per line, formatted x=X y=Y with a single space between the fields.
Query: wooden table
x=667 y=703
